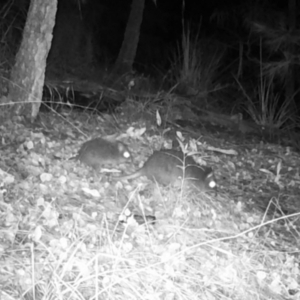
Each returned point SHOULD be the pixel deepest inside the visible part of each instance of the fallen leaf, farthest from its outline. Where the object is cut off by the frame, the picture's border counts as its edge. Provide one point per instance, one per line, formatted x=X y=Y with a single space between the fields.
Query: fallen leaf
x=46 y=177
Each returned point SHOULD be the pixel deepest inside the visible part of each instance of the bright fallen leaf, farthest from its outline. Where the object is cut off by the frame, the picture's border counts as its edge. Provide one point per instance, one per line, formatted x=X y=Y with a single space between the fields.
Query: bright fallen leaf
x=46 y=177
x=29 y=145
x=40 y=201
x=64 y=243
x=62 y=179
x=37 y=233
x=6 y=178
x=261 y=275
x=91 y=192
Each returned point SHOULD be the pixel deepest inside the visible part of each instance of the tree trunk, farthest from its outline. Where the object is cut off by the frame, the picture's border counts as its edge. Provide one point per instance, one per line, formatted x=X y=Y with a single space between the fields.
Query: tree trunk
x=131 y=38
x=28 y=73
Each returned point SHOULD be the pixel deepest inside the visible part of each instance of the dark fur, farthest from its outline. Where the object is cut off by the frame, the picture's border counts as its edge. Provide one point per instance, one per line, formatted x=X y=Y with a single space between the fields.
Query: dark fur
x=170 y=167
x=98 y=152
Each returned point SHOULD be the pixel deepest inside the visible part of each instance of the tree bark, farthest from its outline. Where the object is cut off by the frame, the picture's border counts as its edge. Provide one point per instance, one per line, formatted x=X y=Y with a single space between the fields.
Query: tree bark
x=28 y=73
x=131 y=38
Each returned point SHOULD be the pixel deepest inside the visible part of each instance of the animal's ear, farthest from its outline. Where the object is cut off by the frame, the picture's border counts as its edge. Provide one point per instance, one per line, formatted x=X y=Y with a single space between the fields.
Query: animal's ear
x=209 y=173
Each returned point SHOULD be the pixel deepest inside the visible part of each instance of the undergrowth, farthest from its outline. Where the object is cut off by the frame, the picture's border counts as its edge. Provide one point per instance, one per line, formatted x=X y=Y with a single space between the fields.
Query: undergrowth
x=194 y=67
x=62 y=238
x=268 y=109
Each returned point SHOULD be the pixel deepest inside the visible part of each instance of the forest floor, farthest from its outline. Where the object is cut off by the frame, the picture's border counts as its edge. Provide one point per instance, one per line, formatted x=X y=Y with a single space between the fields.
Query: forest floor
x=69 y=233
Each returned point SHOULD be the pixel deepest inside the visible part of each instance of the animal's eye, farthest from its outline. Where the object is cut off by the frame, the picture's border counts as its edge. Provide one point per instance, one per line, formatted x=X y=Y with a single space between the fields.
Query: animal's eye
x=212 y=184
x=126 y=154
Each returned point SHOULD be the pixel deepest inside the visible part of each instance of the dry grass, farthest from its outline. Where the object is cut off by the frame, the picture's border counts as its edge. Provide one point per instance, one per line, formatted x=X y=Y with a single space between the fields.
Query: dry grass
x=61 y=237
x=196 y=250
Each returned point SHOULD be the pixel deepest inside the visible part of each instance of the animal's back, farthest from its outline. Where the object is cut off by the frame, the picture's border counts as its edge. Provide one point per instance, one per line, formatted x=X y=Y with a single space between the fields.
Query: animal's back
x=98 y=152
x=171 y=167
x=162 y=166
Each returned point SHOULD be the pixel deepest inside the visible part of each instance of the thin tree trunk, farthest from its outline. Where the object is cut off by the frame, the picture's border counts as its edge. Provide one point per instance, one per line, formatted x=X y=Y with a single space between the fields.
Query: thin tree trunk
x=28 y=73
x=131 y=38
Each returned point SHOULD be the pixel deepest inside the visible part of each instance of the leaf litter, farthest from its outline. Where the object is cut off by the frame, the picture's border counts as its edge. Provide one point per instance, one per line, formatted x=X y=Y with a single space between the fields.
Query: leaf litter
x=62 y=237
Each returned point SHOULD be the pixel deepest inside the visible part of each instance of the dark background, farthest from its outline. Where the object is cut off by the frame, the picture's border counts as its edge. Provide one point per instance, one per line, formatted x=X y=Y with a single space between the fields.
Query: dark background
x=88 y=37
